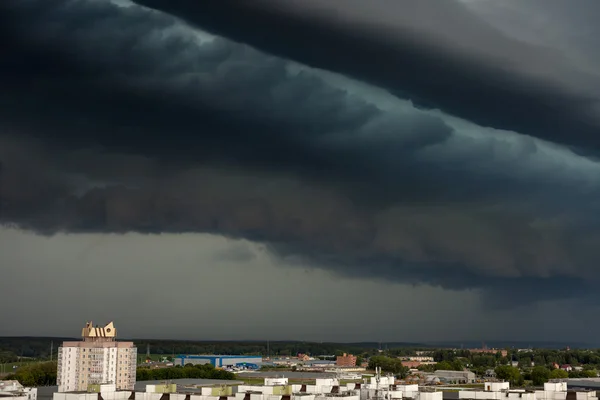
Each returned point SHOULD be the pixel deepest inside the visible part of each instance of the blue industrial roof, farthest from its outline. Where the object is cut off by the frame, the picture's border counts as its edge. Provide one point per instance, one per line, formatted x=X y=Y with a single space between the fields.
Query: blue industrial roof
x=211 y=356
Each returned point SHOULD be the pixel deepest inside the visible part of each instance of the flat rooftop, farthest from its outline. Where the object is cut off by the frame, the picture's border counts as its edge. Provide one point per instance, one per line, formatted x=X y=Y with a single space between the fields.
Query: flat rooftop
x=46 y=392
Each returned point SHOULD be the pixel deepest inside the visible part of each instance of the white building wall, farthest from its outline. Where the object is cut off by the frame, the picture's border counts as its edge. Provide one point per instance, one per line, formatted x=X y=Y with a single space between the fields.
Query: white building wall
x=408 y=390
x=587 y=395
x=480 y=395
x=111 y=363
x=430 y=396
x=276 y=381
x=67 y=374
x=125 y=363
x=496 y=386
x=383 y=381
x=550 y=395
x=32 y=393
x=326 y=382
x=519 y=395
x=555 y=386
x=324 y=397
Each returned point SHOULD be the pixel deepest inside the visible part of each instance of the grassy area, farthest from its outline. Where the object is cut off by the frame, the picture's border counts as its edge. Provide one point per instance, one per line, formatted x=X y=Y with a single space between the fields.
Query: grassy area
x=9 y=368
x=153 y=357
x=250 y=381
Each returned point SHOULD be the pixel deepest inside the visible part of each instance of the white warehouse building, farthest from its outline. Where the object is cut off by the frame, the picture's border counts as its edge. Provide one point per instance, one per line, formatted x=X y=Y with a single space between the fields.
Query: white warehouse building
x=16 y=391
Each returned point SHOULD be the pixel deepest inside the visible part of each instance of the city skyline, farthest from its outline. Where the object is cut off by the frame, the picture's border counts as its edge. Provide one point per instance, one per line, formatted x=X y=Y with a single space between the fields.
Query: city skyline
x=403 y=171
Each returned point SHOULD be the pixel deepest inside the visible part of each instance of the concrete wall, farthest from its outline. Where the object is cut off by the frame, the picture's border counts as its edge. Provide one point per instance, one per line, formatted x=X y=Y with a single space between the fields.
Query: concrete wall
x=550 y=395
x=430 y=396
x=480 y=395
x=68 y=365
x=276 y=381
x=496 y=386
x=219 y=391
x=555 y=386
x=324 y=397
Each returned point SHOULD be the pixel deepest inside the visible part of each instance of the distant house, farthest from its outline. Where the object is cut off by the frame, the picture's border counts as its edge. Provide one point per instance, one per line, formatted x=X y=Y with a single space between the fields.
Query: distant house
x=411 y=364
x=490 y=373
x=566 y=367
x=346 y=360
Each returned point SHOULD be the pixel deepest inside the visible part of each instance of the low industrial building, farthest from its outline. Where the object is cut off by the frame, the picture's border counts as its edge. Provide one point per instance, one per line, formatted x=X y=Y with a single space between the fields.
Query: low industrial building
x=16 y=391
x=220 y=361
x=455 y=376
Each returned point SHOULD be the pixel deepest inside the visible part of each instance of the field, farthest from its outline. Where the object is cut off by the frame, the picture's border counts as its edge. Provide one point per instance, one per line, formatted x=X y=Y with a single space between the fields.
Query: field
x=9 y=368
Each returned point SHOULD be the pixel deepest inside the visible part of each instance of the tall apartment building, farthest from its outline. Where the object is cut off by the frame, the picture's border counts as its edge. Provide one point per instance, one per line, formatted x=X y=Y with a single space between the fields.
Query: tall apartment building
x=96 y=359
x=347 y=360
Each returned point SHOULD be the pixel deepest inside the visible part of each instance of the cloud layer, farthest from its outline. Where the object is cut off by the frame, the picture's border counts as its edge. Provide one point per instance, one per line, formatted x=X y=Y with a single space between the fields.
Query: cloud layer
x=120 y=118
x=433 y=51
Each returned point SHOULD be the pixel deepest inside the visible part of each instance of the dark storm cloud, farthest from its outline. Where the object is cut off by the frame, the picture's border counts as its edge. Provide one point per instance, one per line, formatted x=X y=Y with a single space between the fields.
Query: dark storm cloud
x=119 y=119
x=550 y=23
x=432 y=51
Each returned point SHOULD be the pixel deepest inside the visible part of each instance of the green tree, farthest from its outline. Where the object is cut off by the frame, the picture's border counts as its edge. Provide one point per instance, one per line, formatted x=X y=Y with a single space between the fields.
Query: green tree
x=510 y=374
x=37 y=374
x=388 y=364
x=204 y=371
x=426 y=367
x=589 y=373
x=540 y=375
x=559 y=374
x=455 y=365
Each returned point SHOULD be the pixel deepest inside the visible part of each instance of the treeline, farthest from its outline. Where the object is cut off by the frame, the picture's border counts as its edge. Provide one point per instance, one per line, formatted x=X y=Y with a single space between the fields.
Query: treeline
x=389 y=364
x=168 y=347
x=37 y=374
x=13 y=349
x=524 y=358
x=538 y=375
x=204 y=371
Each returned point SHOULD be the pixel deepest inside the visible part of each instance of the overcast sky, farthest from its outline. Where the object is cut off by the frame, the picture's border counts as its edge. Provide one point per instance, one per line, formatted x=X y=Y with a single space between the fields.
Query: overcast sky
x=286 y=169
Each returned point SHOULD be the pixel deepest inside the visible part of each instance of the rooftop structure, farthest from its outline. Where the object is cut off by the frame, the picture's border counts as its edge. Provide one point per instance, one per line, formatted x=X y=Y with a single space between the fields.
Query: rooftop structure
x=16 y=391
x=95 y=333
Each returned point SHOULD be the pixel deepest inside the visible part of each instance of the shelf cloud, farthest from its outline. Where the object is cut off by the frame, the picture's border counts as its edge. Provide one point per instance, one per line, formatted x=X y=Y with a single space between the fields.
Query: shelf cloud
x=410 y=151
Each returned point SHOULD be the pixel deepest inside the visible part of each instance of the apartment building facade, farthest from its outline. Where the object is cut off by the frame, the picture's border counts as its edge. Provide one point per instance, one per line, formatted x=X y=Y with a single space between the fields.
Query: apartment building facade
x=346 y=360
x=97 y=359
